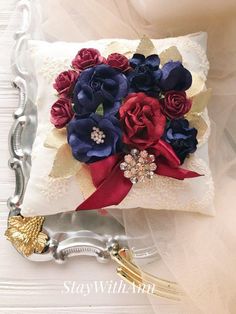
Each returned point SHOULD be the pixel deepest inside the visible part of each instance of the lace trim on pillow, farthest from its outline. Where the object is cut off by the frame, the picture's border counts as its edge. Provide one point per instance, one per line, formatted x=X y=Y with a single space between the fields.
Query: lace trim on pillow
x=167 y=193
x=202 y=123
x=52 y=66
x=54 y=188
x=189 y=46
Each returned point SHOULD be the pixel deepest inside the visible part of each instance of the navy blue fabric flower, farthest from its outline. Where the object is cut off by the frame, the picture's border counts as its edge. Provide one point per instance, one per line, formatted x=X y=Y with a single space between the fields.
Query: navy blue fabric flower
x=93 y=137
x=175 y=77
x=181 y=137
x=146 y=74
x=100 y=84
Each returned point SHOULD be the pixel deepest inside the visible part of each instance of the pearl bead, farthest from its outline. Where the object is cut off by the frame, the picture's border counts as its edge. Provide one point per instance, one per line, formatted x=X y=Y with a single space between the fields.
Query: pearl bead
x=97 y=135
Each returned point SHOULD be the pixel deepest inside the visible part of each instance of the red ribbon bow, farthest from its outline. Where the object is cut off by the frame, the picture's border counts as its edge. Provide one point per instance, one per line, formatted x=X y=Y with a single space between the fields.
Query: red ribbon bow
x=111 y=185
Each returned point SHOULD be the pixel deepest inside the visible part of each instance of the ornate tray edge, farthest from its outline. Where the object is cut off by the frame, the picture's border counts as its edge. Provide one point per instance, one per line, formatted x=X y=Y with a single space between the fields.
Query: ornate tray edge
x=26 y=233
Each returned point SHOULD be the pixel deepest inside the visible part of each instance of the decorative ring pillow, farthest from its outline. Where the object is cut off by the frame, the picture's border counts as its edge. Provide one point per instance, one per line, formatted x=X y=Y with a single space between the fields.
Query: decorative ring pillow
x=122 y=125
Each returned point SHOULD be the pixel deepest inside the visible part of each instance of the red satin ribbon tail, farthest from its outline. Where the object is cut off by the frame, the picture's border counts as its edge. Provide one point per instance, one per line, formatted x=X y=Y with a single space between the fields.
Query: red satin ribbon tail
x=111 y=192
x=101 y=169
x=165 y=150
x=176 y=173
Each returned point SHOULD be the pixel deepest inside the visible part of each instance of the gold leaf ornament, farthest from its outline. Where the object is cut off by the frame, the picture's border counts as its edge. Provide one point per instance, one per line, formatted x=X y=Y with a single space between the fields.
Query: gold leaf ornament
x=200 y=101
x=197 y=117
x=115 y=46
x=198 y=85
x=170 y=54
x=64 y=165
x=202 y=125
x=85 y=182
x=26 y=235
x=146 y=47
x=56 y=138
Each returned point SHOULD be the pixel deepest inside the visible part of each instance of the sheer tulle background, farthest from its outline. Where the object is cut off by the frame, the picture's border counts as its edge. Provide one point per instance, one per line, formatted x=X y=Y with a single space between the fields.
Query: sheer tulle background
x=197 y=251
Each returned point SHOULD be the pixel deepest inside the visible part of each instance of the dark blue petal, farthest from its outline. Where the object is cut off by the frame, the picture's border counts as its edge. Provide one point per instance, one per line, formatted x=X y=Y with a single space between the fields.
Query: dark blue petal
x=123 y=86
x=136 y=60
x=106 y=124
x=95 y=117
x=86 y=149
x=157 y=75
x=181 y=137
x=100 y=84
x=153 y=61
x=109 y=84
x=175 y=76
x=85 y=96
x=111 y=108
x=168 y=67
x=86 y=75
x=100 y=151
x=116 y=123
x=107 y=96
x=146 y=75
x=82 y=147
x=105 y=71
x=188 y=79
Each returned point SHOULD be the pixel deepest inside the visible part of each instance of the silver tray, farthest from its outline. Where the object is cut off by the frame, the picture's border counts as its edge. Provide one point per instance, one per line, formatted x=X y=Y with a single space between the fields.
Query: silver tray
x=65 y=235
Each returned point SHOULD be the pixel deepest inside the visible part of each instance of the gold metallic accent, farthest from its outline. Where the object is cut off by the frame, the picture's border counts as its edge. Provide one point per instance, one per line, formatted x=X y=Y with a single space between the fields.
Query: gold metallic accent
x=198 y=85
x=146 y=47
x=64 y=164
x=25 y=234
x=115 y=46
x=56 y=138
x=170 y=54
x=200 y=101
x=198 y=122
x=142 y=280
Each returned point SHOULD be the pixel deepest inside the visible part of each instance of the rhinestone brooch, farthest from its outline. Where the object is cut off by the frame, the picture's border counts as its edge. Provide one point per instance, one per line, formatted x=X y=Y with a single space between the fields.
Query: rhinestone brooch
x=138 y=166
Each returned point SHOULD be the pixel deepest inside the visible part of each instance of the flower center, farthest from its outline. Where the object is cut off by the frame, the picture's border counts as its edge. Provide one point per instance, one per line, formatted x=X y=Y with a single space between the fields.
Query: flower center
x=143 y=68
x=97 y=135
x=95 y=85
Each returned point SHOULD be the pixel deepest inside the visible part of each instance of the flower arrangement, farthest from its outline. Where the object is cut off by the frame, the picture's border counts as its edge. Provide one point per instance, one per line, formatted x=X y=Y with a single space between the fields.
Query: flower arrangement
x=126 y=120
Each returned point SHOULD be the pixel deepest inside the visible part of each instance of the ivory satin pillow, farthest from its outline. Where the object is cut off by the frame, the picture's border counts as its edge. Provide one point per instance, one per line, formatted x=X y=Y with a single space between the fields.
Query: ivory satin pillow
x=46 y=195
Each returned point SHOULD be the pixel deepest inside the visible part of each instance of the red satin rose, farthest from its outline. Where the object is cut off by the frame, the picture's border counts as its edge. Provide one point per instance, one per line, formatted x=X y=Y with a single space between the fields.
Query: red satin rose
x=118 y=61
x=65 y=82
x=175 y=104
x=87 y=57
x=61 y=112
x=142 y=121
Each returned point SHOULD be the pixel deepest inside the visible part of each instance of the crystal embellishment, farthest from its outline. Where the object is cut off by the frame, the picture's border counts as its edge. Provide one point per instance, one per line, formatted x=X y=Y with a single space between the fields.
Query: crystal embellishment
x=138 y=166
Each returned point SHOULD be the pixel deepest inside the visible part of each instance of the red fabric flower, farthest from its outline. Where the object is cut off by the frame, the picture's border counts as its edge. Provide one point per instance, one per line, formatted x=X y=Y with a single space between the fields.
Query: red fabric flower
x=175 y=104
x=61 y=112
x=118 y=61
x=142 y=120
x=65 y=82
x=87 y=57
